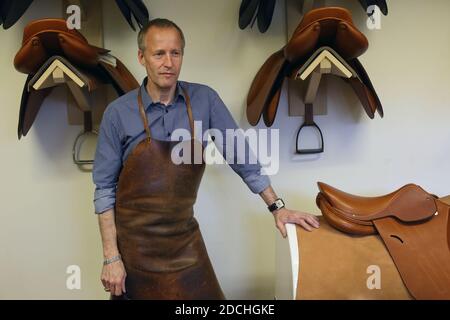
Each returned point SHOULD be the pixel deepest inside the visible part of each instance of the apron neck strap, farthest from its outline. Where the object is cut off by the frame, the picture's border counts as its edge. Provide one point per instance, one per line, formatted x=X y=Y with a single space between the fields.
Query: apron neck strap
x=145 y=120
x=189 y=111
x=143 y=114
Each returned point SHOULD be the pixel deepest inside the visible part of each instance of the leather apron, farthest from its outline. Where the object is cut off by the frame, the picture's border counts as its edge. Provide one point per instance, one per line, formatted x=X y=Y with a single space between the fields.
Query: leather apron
x=158 y=237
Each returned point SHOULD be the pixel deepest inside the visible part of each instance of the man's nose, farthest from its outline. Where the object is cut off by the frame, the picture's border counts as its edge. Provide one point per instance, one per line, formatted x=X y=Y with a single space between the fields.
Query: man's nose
x=168 y=61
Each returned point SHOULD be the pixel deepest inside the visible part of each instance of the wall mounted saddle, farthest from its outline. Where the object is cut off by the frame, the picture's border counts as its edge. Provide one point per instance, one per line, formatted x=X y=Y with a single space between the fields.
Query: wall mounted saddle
x=413 y=224
x=329 y=26
x=47 y=38
x=12 y=10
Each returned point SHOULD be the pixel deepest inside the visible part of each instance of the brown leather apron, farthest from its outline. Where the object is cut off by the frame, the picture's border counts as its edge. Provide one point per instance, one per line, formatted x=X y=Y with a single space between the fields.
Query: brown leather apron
x=158 y=237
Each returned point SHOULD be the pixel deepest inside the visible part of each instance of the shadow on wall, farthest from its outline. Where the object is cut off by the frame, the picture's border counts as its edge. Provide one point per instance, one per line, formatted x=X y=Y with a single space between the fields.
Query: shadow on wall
x=51 y=130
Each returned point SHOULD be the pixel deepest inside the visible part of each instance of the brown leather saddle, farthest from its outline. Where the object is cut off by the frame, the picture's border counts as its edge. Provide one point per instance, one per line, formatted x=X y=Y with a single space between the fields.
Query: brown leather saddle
x=43 y=40
x=330 y=26
x=414 y=226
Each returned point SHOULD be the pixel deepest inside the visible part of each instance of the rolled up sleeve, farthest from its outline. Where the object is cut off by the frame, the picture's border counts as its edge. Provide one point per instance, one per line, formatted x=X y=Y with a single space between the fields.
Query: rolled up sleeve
x=107 y=163
x=221 y=119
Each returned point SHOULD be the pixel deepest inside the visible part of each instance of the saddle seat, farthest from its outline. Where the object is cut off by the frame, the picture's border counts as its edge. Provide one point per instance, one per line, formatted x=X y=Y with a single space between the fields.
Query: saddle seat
x=355 y=214
x=49 y=37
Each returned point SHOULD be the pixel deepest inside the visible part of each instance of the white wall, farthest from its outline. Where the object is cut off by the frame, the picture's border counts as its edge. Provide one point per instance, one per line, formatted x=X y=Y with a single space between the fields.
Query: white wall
x=47 y=220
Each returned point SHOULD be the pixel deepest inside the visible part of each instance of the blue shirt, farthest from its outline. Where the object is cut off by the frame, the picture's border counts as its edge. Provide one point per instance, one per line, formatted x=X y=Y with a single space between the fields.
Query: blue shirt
x=122 y=129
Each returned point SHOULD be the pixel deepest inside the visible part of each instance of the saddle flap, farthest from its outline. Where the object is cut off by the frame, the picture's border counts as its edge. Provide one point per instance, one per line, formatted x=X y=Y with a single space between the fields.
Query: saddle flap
x=421 y=253
x=265 y=85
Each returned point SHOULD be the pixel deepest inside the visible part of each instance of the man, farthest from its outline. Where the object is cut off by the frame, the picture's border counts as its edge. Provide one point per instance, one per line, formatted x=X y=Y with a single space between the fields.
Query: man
x=144 y=200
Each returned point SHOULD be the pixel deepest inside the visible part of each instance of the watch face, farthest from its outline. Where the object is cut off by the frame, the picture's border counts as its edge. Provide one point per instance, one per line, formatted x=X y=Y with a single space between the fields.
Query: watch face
x=279 y=203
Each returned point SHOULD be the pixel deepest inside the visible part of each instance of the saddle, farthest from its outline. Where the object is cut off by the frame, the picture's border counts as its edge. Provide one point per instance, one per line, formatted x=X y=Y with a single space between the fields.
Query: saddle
x=329 y=26
x=413 y=224
x=43 y=40
x=12 y=10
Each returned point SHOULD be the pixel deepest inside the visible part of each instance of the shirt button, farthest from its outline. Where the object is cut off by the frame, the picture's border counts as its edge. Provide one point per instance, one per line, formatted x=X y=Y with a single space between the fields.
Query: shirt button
x=168 y=134
x=167 y=111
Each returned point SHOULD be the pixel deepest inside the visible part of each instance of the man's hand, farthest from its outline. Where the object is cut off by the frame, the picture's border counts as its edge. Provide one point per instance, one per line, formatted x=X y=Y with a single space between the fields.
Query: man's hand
x=113 y=278
x=305 y=220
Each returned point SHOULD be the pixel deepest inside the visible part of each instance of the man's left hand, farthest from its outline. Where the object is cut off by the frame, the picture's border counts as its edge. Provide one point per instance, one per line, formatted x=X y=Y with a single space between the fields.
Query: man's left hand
x=305 y=220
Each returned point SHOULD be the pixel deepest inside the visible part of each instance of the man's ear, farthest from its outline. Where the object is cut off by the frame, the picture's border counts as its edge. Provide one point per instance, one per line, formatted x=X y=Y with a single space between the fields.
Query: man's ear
x=141 y=57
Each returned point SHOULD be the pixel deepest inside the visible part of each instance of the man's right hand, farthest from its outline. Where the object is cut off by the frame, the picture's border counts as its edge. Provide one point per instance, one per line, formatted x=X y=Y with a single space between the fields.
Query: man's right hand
x=113 y=278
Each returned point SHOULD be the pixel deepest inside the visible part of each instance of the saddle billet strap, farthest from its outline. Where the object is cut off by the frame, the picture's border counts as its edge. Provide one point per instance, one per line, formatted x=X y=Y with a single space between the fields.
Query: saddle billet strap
x=309 y=115
x=309 y=122
x=87 y=121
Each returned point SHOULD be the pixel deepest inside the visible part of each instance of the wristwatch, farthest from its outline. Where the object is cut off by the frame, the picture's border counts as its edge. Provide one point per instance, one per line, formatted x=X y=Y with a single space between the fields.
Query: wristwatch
x=278 y=204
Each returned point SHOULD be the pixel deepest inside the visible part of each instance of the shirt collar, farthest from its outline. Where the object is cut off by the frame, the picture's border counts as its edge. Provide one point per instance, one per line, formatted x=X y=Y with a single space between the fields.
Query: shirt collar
x=147 y=100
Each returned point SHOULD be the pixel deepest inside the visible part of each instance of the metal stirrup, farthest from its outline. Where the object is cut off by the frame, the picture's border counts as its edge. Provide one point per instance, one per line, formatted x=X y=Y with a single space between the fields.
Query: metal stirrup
x=309 y=122
x=77 y=144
